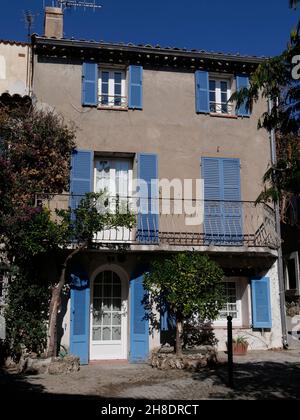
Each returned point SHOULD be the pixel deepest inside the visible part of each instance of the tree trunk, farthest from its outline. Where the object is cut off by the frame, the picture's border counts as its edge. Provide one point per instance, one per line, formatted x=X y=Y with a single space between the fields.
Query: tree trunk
x=178 y=337
x=54 y=306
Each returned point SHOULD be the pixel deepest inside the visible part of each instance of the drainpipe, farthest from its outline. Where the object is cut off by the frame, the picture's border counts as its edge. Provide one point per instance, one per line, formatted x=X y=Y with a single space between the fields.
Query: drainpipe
x=278 y=231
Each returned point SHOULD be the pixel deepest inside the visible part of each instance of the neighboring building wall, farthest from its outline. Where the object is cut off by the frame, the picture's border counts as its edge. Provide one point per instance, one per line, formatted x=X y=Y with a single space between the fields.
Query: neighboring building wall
x=14 y=68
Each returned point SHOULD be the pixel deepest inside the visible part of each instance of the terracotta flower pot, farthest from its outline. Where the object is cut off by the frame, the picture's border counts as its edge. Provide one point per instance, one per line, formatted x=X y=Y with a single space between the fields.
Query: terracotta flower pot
x=239 y=349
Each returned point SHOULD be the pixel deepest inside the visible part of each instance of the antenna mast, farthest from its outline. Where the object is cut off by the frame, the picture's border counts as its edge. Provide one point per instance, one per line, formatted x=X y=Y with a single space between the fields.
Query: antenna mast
x=91 y=4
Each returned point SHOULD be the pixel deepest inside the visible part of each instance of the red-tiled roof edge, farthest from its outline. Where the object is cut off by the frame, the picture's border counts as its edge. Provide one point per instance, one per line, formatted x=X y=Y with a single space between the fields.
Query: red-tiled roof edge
x=10 y=42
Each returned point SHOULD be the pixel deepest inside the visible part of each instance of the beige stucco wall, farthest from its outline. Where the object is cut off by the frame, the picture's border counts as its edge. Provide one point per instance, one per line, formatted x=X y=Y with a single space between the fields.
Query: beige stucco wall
x=14 y=67
x=168 y=124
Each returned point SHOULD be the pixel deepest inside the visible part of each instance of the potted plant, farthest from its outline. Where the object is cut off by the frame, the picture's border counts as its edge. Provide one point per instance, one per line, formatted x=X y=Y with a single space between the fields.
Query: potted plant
x=239 y=345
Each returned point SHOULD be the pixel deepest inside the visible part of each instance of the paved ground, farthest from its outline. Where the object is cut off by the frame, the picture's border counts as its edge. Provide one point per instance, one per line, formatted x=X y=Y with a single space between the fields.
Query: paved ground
x=259 y=375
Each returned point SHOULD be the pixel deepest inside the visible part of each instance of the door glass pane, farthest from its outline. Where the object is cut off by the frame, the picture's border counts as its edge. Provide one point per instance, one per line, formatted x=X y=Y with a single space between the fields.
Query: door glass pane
x=116 y=333
x=96 y=333
x=107 y=290
x=116 y=290
x=116 y=304
x=106 y=333
x=107 y=318
x=116 y=319
x=107 y=304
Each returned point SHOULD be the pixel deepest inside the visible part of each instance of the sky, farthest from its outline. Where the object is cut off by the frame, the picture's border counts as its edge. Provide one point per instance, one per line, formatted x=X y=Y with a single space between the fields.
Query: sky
x=253 y=27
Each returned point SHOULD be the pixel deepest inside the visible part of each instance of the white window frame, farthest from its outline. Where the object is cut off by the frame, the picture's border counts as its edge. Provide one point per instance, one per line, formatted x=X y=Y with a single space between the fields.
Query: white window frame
x=236 y=322
x=112 y=173
x=293 y=256
x=111 y=88
x=218 y=101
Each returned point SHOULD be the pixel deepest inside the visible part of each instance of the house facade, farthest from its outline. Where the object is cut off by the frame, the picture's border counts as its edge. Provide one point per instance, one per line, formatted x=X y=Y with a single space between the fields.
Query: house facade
x=160 y=118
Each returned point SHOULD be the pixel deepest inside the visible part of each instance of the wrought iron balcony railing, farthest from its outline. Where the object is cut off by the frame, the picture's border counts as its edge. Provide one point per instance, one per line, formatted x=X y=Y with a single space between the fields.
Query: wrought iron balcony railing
x=112 y=101
x=183 y=222
x=221 y=108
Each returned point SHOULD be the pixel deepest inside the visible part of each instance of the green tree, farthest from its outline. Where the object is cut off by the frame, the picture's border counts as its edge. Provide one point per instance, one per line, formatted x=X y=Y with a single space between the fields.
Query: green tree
x=188 y=284
x=274 y=81
x=36 y=148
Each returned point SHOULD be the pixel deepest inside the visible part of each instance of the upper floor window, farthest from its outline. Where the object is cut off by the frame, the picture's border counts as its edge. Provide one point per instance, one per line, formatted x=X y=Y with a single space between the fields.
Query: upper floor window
x=219 y=94
x=112 y=89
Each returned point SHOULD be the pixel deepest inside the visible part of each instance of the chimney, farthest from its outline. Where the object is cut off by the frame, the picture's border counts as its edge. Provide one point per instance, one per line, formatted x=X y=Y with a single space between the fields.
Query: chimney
x=53 y=22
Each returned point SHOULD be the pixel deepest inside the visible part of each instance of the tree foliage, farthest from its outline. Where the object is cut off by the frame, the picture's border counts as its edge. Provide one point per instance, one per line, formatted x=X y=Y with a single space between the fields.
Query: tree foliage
x=275 y=82
x=187 y=284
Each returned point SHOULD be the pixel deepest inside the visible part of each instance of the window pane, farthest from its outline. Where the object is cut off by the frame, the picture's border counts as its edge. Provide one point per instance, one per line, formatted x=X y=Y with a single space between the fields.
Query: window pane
x=97 y=333
x=116 y=304
x=224 y=97
x=118 y=90
x=118 y=78
x=212 y=96
x=116 y=290
x=116 y=319
x=106 y=333
x=212 y=85
x=106 y=319
x=116 y=333
x=106 y=304
x=105 y=77
x=224 y=87
x=107 y=290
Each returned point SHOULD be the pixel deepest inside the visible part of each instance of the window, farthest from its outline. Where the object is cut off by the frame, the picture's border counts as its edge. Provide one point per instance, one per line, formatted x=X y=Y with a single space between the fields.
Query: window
x=114 y=176
x=219 y=93
x=292 y=272
x=112 y=88
x=232 y=306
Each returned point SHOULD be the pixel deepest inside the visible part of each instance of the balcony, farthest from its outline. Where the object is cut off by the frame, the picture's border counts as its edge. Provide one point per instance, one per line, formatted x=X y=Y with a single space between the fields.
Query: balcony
x=184 y=223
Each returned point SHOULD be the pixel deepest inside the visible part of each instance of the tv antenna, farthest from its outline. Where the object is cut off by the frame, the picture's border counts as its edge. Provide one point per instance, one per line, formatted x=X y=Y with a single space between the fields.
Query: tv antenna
x=29 y=19
x=67 y=4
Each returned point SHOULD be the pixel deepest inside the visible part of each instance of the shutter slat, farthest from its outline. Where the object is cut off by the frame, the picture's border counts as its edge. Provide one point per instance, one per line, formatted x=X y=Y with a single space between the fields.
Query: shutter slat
x=202 y=91
x=148 y=218
x=135 y=89
x=241 y=82
x=261 y=303
x=89 y=84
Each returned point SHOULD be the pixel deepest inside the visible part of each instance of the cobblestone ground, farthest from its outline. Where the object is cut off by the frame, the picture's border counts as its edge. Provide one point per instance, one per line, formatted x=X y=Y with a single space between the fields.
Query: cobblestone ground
x=259 y=375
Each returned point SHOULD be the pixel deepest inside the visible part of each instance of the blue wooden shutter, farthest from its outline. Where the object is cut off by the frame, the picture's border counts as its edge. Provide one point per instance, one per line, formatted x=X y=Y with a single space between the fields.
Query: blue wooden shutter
x=79 y=319
x=202 y=91
x=241 y=82
x=213 y=194
x=148 y=218
x=139 y=324
x=135 y=88
x=222 y=206
x=232 y=206
x=81 y=175
x=261 y=303
x=89 y=84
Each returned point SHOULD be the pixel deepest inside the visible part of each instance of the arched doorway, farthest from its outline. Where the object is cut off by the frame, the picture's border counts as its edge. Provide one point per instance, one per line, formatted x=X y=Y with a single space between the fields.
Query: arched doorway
x=108 y=317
